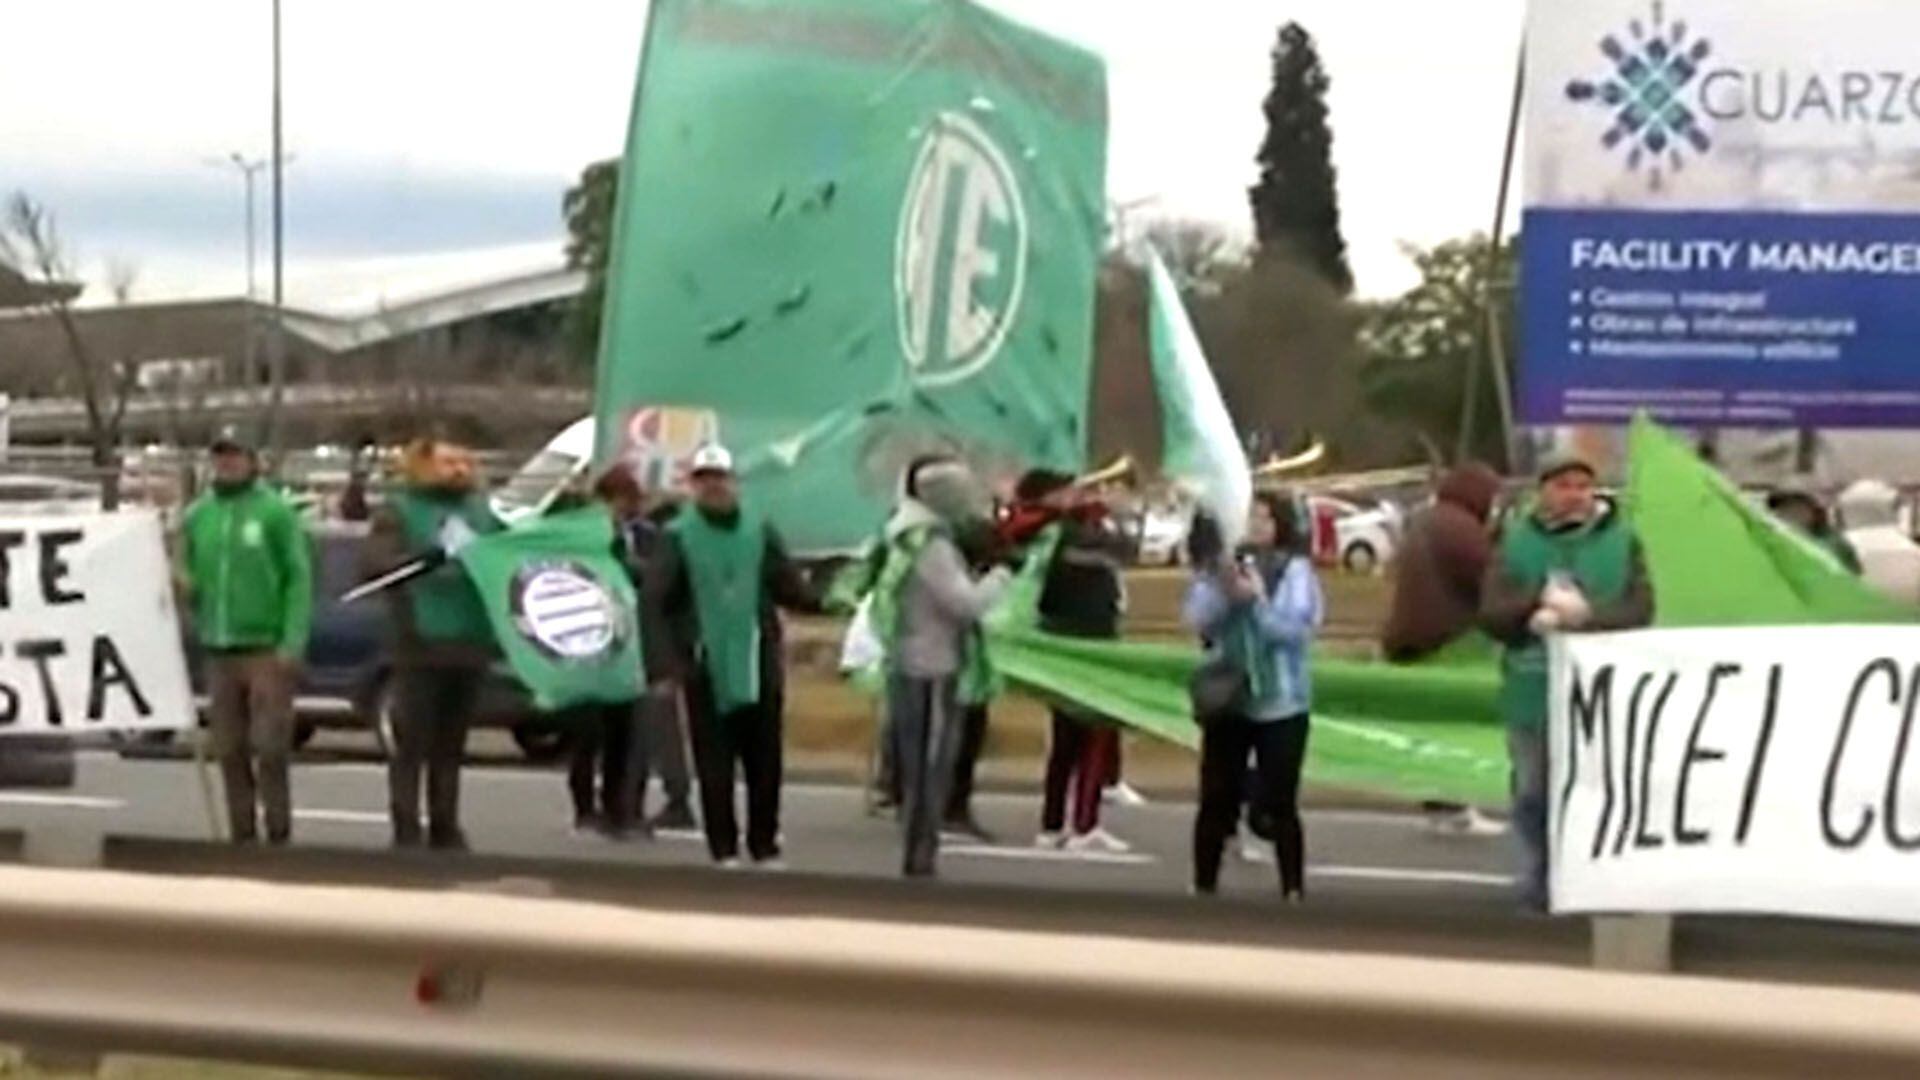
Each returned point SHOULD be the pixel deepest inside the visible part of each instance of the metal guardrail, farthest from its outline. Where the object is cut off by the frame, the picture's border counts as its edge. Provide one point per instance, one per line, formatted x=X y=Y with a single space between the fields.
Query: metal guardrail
x=472 y=984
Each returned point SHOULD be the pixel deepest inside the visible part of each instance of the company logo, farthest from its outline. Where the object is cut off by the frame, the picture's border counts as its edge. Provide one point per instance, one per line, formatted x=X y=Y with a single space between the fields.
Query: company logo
x=661 y=441
x=1644 y=92
x=564 y=610
x=960 y=262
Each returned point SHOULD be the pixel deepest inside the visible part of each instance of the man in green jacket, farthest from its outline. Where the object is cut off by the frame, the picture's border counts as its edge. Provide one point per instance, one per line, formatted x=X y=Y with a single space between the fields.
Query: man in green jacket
x=1570 y=565
x=443 y=642
x=249 y=581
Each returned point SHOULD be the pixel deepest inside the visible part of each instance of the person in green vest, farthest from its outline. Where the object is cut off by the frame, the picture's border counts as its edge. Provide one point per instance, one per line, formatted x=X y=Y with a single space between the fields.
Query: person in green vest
x=712 y=603
x=1805 y=512
x=1570 y=564
x=248 y=573
x=927 y=609
x=443 y=642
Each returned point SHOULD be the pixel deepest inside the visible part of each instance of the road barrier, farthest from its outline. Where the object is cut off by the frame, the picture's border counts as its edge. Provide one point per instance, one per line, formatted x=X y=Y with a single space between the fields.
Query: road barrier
x=469 y=984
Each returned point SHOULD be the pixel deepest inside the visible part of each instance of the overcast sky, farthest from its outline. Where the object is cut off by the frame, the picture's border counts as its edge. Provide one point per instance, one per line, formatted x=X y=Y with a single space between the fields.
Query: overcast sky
x=434 y=125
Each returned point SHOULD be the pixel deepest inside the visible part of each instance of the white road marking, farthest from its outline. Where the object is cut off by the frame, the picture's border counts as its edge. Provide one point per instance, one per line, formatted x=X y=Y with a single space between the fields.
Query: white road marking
x=1060 y=855
x=70 y=802
x=1409 y=874
x=341 y=817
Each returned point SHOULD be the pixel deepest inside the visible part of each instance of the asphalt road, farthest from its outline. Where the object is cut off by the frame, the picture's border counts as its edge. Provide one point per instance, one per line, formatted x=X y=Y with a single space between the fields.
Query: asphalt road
x=524 y=812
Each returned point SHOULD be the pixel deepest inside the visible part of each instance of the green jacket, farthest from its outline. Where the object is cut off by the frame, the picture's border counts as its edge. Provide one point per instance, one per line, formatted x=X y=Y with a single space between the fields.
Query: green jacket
x=1602 y=556
x=249 y=572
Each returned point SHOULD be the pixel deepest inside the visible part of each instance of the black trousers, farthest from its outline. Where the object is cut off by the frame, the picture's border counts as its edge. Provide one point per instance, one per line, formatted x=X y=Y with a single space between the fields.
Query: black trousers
x=434 y=708
x=745 y=742
x=1279 y=747
x=603 y=739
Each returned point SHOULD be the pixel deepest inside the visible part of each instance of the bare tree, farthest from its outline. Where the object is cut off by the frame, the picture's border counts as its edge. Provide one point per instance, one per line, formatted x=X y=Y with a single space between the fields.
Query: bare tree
x=31 y=242
x=1198 y=254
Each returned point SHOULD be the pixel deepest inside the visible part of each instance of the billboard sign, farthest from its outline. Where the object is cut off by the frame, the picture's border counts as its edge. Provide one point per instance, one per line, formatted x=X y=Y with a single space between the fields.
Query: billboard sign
x=1723 y=213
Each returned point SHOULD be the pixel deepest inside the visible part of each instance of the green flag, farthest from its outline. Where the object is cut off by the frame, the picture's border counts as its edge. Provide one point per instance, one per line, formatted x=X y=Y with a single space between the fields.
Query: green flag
x=1202 y=448
x=1716 y=559
x=849 y=231
x=562 y=608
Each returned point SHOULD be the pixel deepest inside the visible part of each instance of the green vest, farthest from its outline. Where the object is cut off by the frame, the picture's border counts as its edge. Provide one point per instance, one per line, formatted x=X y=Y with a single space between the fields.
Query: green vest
x=446 y=607
x=726 y=567
x=979 y=682
x=1598 y=556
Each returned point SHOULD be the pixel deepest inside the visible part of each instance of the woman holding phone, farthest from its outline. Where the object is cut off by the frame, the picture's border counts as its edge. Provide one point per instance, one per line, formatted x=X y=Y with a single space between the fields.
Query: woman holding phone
x=1259 y=610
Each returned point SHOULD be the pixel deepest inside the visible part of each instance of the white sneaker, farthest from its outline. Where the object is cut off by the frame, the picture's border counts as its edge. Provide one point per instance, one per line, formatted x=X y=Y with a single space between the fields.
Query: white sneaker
x=1123 y=794
x=1050 y=840
x=1252 y=849
x=1101 y=841
x=733 y=863
x=775 y=865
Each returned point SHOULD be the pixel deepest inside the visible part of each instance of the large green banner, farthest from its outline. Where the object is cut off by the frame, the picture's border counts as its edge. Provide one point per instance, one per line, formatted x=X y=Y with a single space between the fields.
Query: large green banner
x=850 y=231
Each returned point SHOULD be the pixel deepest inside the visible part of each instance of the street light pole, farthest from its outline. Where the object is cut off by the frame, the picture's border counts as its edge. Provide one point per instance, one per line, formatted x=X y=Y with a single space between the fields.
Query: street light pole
x=249 y=170
x=277 y=342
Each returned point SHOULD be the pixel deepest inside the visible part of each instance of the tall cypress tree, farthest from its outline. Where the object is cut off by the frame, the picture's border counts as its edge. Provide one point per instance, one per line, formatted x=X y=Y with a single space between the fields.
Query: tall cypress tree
x=1296 y=208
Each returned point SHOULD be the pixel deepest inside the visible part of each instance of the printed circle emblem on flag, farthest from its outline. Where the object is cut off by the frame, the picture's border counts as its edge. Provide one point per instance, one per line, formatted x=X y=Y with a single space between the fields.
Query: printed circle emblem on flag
x=661 y=440
x=566 y=611
x=960 y=260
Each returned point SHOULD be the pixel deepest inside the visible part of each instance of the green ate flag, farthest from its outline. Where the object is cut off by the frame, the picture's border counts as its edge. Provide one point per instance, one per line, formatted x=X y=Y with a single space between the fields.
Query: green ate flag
x=562 y=608
x=849 y=231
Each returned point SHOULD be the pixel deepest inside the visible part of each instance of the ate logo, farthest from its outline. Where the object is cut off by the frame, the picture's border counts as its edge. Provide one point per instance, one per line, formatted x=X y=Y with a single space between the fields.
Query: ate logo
x=960 y=262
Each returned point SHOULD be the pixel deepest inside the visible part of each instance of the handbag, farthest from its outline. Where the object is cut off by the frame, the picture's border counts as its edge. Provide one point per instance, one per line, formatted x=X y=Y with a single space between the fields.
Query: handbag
x=1218 y=688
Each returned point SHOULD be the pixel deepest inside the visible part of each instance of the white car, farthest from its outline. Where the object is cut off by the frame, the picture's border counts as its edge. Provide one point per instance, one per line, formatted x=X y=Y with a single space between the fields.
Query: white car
x=546 y=474
x=1163 y=536
x=1361 y=541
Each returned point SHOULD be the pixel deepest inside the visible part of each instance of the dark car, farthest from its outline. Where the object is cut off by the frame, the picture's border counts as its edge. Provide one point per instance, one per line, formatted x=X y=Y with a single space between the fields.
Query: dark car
x=347 y=678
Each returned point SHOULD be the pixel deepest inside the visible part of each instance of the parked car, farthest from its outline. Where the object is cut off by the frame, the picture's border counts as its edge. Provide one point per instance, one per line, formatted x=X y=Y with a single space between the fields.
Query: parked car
x=1162 y=532
x=1362 y=541
x=346 y=680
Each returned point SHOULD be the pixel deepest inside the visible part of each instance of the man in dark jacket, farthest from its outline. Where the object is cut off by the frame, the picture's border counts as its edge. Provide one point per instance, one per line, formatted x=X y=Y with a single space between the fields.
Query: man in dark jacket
x=1572 y=564
x=443 y=641
x=713 y=597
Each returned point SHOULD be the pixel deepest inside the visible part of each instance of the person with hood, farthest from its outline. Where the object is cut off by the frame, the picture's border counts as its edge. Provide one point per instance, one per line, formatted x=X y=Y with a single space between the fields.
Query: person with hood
x=443 y=641
x=927 y=610
x=713 y=596
x=1805 y=512
x=249 y=580
x=1570 y=564
x=1436 y=597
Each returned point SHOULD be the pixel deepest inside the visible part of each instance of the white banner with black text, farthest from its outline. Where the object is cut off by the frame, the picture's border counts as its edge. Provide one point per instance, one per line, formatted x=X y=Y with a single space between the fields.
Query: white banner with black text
x=89 y=637
x=1752 y=770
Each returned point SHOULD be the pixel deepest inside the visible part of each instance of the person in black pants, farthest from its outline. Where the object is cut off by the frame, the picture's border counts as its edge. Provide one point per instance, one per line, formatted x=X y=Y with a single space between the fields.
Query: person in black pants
x=711 y=598
x=1260 y=610
x=602 y=737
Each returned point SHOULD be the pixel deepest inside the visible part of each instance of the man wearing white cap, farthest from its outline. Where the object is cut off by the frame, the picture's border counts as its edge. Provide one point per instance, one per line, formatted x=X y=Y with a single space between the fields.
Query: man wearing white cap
x=714 y=628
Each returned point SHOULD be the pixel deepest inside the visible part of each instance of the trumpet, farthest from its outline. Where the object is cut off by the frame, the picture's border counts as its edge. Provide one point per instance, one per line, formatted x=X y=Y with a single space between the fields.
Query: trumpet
x=1120 y=471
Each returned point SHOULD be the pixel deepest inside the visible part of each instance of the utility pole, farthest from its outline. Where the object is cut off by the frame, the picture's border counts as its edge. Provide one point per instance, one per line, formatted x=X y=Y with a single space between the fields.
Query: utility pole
x=277 y=341
x=1494 y=293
